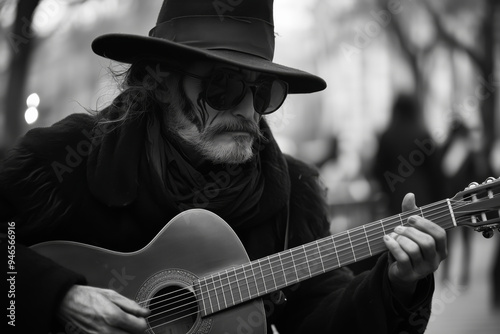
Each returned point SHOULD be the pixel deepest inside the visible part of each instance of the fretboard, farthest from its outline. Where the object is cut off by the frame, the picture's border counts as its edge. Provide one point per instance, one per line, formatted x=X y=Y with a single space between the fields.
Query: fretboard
x=239 y=284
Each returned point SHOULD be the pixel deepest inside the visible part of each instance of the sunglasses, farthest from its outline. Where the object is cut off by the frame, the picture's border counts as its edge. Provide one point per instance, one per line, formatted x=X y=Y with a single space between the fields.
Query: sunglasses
x=224 y=89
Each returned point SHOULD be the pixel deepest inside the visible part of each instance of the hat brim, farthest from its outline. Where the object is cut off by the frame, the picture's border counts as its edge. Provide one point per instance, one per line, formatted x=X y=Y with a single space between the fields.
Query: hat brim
x=127 y=48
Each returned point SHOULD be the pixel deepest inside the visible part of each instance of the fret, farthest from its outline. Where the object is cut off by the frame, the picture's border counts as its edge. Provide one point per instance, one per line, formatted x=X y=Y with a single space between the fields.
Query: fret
x=250 y=281
x=314 y=259
x=308 y=260
x=277 y=272
x=335 y=251
x=222 y=291
x=294 y=267
x=262 y=275
x=240 y=278
x=320 y=257
x=215 y=293
x=375 y=243
x=361 y=247
x=367 y=241
x=256 y=284
x=451 y=212
x=235 y=286
x=345 y=253
x=381 y=224
x=329 y=255
x=352 y=247
x=202 y=295
x=209 y=296
x=287 y=267
x=268 y=276
x=272 y=273
x=230 y=286
x=401 y=219
x=246 y=282
x=282 y=268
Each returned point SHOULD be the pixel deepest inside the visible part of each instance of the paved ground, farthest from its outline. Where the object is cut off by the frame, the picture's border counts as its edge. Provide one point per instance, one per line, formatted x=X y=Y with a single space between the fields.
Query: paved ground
x=466 y=311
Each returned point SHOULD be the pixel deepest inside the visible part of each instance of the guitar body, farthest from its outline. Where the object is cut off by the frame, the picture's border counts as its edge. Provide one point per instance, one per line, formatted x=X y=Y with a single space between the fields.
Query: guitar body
x=195 y=276
x=162 y=276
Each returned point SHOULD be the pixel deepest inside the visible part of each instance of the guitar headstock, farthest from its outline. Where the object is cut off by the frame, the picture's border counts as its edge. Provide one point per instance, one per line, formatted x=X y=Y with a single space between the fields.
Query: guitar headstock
x=478 y=206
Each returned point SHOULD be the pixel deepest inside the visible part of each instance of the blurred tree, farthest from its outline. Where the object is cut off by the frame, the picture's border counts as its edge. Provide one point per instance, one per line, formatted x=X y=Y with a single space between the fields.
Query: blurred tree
x=445 y=18
x=21 y=41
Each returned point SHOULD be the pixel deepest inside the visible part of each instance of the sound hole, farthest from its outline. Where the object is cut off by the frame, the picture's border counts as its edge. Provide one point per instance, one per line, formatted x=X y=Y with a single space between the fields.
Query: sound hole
x=174 y=310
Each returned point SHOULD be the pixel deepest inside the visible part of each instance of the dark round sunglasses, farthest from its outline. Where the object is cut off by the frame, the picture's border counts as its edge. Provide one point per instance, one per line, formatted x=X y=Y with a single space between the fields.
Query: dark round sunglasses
x=225 y=89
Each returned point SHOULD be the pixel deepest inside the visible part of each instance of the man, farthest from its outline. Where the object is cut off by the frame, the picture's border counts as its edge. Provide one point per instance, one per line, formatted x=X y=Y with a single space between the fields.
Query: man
x=188 y=131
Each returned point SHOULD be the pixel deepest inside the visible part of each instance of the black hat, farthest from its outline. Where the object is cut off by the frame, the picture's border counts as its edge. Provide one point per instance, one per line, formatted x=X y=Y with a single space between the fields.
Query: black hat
x=236 y=32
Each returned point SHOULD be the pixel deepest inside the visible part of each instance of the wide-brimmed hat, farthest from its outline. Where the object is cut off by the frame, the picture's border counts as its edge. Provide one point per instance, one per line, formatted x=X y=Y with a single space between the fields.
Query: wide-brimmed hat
x=236 y=32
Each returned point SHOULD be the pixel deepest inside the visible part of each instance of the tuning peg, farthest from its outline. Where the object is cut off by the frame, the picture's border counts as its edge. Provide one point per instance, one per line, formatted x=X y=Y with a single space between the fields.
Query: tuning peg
x=490 y=179
x=472 y=185
x=488 y=233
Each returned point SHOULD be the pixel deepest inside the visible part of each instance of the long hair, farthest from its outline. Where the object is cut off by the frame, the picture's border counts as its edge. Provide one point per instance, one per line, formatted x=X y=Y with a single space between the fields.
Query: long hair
x=144 y=88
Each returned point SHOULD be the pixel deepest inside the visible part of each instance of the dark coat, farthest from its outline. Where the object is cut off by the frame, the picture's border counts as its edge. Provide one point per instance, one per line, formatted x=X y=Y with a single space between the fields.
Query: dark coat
x=44 y=188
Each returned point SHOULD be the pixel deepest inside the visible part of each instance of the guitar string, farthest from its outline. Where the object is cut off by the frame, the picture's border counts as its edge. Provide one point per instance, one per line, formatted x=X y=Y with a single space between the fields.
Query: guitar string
x=352 y=240
x=314 y=245
x=223 y=289
x=367 y=227
x=244 y=270
x=179 y=317
x=193 y=312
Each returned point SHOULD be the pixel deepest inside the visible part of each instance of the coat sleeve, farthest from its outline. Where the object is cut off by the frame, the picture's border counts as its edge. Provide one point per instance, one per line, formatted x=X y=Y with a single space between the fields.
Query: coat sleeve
x=30 y=205
x=338 y=301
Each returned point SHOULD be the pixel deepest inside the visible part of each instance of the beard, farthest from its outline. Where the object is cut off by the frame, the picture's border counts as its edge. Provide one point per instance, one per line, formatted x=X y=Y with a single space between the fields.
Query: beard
x=238 y=149
x=185 y=123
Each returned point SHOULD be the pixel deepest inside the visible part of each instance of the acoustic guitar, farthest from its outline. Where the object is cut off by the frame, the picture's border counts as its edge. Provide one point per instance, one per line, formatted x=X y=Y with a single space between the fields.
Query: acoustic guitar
x=195 y=276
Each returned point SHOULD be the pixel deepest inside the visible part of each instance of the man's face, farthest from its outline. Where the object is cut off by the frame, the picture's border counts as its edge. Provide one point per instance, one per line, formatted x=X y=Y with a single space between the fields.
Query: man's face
x=225 y=136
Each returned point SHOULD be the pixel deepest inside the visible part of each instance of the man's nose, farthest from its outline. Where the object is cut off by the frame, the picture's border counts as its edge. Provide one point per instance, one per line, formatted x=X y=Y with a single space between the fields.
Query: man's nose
x=245 y=108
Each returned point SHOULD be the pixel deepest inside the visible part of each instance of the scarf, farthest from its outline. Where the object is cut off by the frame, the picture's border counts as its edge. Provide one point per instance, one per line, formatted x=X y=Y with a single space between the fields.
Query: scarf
x=242 y=193
x=231 y=191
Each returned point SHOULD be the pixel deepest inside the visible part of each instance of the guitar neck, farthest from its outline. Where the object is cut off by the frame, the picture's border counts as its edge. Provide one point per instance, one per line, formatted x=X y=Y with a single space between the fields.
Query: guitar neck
x=255 y=279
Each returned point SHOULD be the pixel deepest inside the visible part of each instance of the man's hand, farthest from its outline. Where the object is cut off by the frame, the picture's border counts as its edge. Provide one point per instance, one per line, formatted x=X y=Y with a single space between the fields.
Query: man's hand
x=416 y=251
x=97 y=310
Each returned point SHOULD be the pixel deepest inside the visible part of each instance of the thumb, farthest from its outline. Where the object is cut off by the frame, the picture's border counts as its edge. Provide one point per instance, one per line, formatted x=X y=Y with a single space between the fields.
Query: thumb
x=409 y=202
x=128 y=305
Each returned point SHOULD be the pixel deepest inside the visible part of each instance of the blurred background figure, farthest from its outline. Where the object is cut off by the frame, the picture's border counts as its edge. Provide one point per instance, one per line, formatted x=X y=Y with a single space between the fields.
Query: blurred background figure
x=406 y=159
x=462 y=160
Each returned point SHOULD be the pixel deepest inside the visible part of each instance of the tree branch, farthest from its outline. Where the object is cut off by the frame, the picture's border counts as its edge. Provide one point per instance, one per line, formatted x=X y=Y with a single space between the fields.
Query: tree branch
x=448 y=37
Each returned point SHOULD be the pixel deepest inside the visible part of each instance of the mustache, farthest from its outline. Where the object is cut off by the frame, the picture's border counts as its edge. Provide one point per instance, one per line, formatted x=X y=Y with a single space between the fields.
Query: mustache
x=242 y=125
